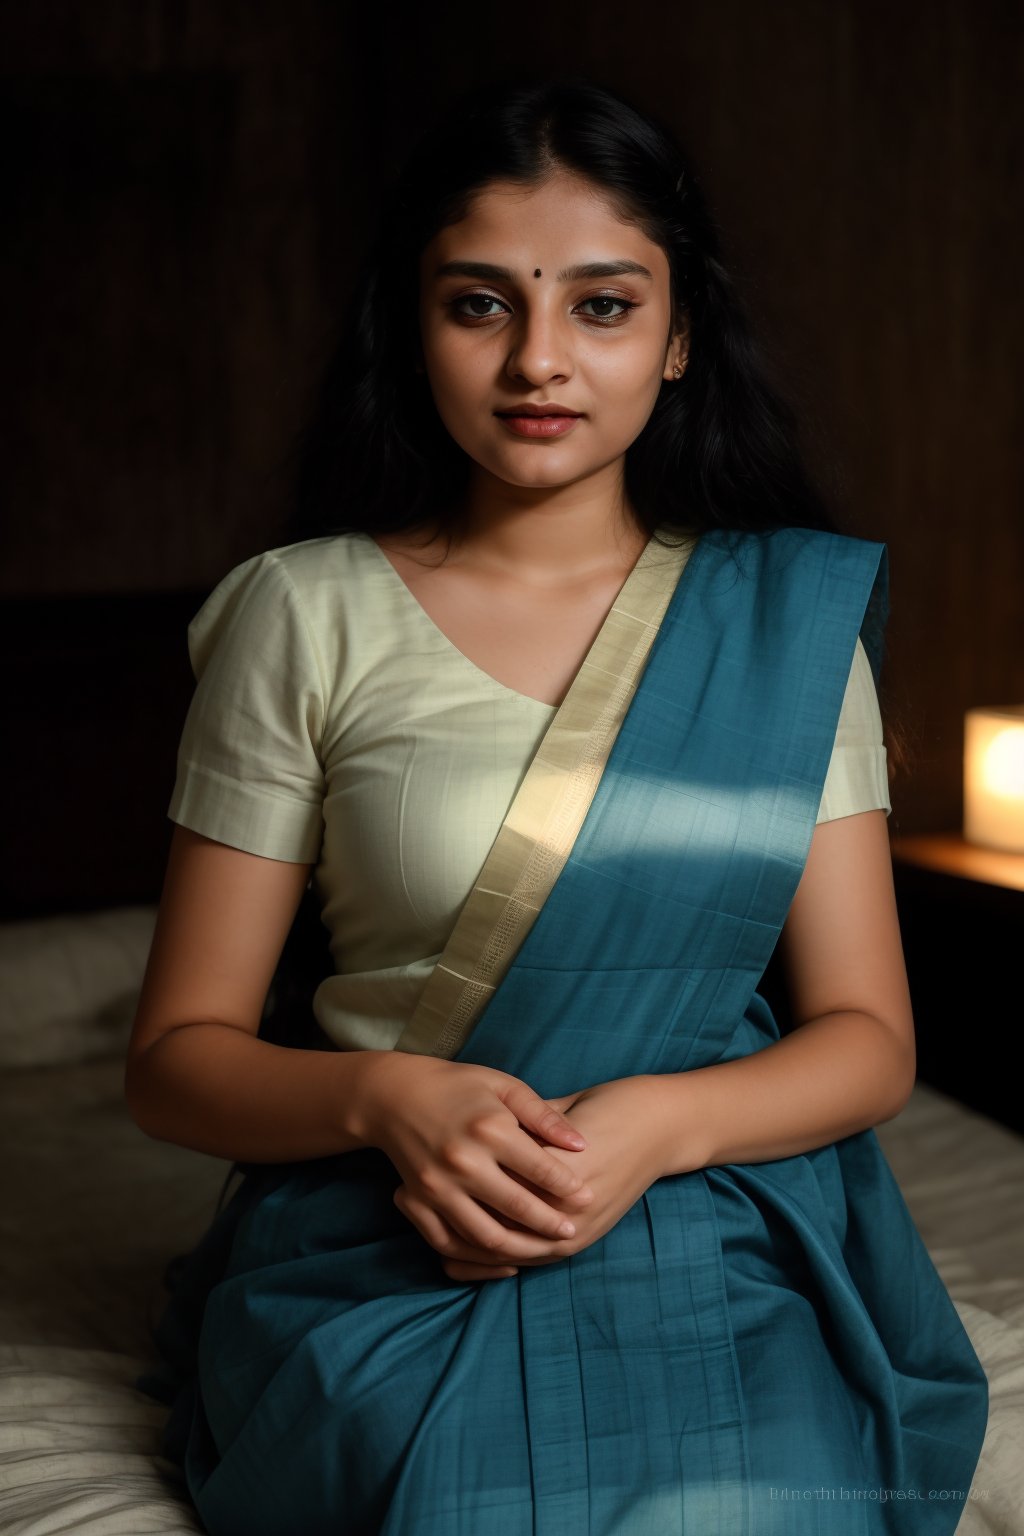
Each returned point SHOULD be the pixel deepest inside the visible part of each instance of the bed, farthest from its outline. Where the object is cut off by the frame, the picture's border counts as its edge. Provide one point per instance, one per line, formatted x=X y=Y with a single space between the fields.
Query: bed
x=94 y=1210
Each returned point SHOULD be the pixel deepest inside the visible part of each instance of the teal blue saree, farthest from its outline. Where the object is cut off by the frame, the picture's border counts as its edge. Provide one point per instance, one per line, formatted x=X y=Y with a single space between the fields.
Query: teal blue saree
x=753 y=1348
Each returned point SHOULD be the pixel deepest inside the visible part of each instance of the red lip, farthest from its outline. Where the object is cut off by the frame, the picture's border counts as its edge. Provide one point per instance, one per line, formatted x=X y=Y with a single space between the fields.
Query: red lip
x=540 y=428
x=538 y=410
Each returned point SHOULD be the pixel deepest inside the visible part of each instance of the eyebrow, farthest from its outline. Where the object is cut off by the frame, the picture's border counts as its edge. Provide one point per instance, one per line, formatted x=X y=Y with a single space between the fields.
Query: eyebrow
x=589 y=269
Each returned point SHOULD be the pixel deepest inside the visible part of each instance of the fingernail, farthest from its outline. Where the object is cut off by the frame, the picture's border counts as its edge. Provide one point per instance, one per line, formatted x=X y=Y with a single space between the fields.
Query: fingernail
x=566 y=1229
x=578 y=1139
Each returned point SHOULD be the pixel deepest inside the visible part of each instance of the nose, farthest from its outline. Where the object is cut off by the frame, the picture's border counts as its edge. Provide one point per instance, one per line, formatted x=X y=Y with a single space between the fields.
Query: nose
x=541 y=347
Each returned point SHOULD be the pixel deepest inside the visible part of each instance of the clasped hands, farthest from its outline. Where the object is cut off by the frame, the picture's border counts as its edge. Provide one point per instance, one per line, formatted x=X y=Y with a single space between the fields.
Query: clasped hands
x=491 y=1172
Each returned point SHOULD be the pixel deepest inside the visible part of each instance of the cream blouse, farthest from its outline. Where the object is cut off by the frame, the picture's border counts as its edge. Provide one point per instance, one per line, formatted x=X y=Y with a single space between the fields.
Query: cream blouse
x=335 y=724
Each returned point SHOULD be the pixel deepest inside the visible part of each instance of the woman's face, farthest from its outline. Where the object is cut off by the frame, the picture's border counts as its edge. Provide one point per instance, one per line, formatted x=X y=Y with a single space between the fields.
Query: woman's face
x=508 y=317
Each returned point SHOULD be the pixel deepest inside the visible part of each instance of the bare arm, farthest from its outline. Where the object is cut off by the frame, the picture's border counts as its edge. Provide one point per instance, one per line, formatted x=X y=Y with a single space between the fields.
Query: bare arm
x=850 y=1062
x=195 y=1072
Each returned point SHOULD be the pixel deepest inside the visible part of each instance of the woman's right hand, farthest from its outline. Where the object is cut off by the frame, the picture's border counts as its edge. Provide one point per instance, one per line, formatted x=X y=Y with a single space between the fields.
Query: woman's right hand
x=464 y=1137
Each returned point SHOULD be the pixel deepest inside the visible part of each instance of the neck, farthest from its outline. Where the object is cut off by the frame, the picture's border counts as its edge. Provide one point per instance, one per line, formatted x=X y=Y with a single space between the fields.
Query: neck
x=538 y=534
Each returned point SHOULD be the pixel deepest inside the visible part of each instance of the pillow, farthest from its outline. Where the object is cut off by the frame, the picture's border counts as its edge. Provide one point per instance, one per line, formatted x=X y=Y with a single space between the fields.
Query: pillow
x=69 y=985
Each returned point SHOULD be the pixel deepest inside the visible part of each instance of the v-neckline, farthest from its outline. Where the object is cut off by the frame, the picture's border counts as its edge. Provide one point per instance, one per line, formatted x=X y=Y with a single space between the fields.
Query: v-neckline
x=527 y=698
x=548 y=810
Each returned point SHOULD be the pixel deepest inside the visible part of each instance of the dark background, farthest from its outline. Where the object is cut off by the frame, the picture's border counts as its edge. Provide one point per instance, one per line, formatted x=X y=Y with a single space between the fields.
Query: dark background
x=187 y=187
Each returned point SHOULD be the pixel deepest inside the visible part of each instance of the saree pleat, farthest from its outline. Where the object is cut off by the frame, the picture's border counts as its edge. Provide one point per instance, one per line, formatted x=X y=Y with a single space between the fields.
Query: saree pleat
x=752 y=1348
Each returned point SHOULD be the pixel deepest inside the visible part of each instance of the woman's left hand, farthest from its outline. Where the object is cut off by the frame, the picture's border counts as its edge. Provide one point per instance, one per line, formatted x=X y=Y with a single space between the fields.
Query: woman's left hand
x=623 y=1157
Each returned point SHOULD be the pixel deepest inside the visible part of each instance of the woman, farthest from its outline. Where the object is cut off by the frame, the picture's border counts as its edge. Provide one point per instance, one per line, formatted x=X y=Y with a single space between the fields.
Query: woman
x=571 y=721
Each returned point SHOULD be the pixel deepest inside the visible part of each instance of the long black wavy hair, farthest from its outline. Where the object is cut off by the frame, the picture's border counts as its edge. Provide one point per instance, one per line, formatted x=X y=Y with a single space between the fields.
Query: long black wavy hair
x=720 y=448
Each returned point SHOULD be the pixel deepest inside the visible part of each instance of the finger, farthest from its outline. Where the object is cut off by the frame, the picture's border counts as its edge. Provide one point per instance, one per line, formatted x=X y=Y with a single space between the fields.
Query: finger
x=445 y=1234
x=538 y=1115
x=538 y=1165
x=476 y=1173
x=439 y=1232
x=428 y=1223
x=582 y=1196
x=458 y=1269
x=480 y=1223
x=563 y=1103
x=518 y=1248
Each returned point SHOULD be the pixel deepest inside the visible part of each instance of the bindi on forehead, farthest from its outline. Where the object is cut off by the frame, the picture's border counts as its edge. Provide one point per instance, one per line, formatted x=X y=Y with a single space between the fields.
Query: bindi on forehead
x=536 y=271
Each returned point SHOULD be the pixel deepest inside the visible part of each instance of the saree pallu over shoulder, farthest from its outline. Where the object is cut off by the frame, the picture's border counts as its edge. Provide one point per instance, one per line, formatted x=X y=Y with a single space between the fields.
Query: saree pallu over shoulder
x=699 y=827
x=545 y=816
x=748 y=1342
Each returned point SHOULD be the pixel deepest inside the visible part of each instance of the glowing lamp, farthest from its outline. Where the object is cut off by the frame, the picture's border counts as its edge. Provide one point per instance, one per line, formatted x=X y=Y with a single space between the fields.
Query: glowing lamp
x=994 y=777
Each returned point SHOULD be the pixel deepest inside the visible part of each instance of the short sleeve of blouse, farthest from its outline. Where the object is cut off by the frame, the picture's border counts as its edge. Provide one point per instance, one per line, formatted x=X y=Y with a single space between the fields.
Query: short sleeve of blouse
x=857 y=779
x=249 y=769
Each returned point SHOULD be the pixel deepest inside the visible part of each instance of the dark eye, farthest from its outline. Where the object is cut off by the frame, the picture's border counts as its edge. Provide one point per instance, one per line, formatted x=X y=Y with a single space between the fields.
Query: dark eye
x=625 y=305
x=475 y=298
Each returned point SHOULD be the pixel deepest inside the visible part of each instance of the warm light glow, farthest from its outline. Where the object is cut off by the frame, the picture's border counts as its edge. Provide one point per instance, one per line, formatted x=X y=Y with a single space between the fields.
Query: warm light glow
x=994 y=777
x=1004 y=763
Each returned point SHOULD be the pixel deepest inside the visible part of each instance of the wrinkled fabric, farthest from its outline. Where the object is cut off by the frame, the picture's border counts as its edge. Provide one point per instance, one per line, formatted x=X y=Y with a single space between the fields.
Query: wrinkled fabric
x=753 y=1348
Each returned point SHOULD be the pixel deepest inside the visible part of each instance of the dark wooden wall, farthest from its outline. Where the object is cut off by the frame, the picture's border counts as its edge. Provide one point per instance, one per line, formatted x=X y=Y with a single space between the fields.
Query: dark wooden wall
x=187 y=186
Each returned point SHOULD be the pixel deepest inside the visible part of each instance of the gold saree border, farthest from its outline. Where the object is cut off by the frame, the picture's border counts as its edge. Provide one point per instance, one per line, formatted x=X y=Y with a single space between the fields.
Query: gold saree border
x=547 y=812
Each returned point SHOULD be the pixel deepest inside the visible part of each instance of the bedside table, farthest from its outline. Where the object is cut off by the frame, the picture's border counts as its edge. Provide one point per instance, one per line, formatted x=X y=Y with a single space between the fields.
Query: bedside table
x=961 y=911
